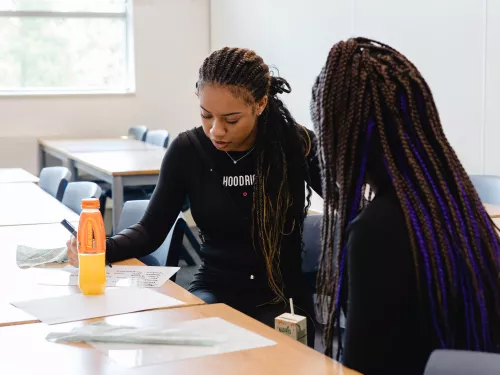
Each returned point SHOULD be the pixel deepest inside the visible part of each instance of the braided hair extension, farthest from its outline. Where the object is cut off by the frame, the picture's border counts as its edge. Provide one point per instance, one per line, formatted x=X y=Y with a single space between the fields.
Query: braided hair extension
x=456 y=248
x=281 y=150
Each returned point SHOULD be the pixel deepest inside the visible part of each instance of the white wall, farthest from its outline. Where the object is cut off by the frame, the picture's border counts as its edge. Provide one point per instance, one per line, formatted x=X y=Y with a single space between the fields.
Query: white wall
x=171 y=41
x=492 y=117
x=454 y=43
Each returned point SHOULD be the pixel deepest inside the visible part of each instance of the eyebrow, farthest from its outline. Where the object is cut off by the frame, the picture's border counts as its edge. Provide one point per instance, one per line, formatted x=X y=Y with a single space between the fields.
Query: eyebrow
x=225 y=115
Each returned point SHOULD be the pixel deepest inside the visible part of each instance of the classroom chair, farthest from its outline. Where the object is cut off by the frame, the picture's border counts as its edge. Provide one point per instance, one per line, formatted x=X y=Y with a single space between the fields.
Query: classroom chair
x=458 y=362
x=172 y=249
x=54 y=181
x=76 y=191
x=138 y=132
x=488 y=188
x=193 y=240
x=312 y=249
x=311 y=256
x=157 y=137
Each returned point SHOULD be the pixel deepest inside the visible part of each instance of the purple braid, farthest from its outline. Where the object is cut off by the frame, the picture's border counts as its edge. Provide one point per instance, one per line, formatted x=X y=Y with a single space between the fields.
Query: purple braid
x=484 y=316
x=421 y=242
x=442 y=205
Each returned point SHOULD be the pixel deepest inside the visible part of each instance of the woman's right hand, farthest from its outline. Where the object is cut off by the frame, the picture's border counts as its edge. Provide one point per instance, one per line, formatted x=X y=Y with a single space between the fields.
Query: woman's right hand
x=72 y=251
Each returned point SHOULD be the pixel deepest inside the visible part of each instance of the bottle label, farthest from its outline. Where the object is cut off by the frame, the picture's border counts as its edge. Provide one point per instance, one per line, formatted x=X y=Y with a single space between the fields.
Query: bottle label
x=91 y=236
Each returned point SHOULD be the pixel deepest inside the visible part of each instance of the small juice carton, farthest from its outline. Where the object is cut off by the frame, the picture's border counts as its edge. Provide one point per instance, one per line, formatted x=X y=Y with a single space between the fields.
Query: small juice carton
x=292 y=325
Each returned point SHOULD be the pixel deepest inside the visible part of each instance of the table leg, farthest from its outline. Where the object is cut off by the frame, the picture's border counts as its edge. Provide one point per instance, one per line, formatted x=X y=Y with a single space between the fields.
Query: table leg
x=42 y=158
x=72 y=168
x=117 y=193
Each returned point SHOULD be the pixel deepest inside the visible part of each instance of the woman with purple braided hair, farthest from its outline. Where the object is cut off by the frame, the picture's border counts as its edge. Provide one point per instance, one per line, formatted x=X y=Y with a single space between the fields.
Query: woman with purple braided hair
x=414 y=263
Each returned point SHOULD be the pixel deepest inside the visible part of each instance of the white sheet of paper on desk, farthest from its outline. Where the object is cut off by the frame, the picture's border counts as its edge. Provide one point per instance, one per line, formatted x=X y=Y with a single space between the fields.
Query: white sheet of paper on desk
x=235 y=339
x=123 y=276
x=114 y=301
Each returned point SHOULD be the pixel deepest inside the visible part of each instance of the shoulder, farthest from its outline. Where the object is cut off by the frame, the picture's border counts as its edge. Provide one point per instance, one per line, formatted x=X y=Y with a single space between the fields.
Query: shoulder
x=183 y=139
x=182 y=143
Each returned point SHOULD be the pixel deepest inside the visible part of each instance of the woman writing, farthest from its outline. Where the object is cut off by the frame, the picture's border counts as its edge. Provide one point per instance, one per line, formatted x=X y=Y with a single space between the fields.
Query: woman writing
x=244 y=173
x=416 y=268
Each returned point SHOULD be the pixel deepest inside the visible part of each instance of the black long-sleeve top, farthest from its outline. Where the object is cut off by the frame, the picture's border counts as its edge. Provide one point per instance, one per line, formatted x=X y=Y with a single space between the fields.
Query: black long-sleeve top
x=388 y=329
x=220 y=194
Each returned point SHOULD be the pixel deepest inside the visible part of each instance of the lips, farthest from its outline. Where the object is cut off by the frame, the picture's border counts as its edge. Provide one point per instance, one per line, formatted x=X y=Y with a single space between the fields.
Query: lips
x=219 y=144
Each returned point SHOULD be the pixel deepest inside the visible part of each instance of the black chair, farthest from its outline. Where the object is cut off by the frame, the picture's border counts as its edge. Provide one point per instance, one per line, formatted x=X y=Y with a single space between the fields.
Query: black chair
x=312 y=249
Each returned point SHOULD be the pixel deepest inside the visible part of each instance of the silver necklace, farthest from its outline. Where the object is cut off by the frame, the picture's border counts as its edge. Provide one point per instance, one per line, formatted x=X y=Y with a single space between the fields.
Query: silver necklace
x=235 y=161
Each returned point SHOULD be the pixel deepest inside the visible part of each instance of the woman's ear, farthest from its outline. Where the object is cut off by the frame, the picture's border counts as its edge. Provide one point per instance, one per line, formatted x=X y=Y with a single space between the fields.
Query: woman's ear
x=261 y=105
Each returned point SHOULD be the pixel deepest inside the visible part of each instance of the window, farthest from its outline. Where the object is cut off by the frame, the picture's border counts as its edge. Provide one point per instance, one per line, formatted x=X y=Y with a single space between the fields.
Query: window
x=66 y=46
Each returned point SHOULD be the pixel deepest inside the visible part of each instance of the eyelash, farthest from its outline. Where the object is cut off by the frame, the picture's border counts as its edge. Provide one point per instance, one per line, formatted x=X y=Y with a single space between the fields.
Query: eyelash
x=209 y=117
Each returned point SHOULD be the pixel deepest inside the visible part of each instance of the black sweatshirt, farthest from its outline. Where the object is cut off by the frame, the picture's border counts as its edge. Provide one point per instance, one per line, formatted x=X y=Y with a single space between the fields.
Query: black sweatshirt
x=221 y=203
x=388 y=330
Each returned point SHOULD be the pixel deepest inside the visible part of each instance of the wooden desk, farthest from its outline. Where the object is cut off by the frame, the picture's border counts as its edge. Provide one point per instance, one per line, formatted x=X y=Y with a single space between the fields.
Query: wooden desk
x=121 y=169
x=25 y=203
x=285 y=358
x=15 y=287
x=493 y=211
x=12 y=175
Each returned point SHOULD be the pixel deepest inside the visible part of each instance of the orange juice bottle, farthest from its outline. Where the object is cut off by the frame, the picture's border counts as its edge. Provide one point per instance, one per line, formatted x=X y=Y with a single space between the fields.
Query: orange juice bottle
x=91 y=249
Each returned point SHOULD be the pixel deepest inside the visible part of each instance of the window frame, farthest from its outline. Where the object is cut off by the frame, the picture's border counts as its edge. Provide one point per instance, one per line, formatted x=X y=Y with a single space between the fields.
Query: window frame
x=129 y=87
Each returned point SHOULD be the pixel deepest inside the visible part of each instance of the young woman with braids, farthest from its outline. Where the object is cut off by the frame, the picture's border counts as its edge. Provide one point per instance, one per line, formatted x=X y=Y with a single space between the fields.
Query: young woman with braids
x=244 y=172
x=416 y=267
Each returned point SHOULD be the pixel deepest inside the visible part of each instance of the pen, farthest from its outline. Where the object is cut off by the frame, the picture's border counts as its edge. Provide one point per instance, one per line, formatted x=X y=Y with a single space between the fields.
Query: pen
x=66 y=224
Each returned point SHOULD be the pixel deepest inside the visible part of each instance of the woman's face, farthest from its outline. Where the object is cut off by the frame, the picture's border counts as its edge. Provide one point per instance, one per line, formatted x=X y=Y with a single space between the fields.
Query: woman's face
x=229 y=122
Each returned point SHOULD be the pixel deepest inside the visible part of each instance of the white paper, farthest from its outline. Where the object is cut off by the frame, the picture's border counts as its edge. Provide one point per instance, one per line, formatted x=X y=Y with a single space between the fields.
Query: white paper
x=116 y=301
x=123 y=276
x=235 y=339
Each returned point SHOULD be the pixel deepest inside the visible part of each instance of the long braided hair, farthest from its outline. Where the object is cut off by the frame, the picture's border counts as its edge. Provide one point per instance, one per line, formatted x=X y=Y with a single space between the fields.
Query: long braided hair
x=281 y=149
x=370 y=101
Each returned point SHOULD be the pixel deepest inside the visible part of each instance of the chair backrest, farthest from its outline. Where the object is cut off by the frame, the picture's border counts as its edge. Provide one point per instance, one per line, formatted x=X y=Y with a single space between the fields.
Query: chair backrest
x=157 y=138
x=488 y=188
x=312 y=243
x=138 y=132
x=457 y=362
x=76 y=191
x=54 y=181
x=168 y=252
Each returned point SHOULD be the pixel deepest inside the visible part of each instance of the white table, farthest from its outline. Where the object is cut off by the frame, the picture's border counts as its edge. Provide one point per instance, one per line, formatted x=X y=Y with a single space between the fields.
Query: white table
x=25 y=203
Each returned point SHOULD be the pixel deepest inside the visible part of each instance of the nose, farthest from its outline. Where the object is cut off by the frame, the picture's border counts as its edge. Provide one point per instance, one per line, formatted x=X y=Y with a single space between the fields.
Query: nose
x=218 y=129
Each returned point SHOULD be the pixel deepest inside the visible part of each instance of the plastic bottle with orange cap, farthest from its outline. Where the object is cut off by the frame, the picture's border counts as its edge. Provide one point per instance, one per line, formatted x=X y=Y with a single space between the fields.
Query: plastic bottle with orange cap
x=91 y=249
